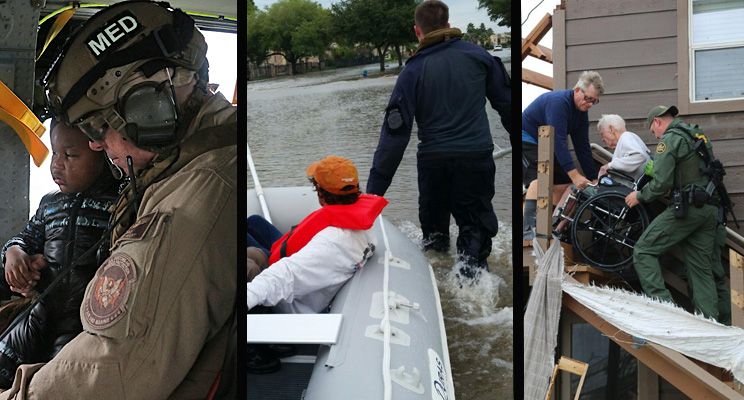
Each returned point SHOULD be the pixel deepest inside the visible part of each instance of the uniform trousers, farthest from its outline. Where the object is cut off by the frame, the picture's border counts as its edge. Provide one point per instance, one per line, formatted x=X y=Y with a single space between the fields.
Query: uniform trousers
x=696 y=233
x=464 y=188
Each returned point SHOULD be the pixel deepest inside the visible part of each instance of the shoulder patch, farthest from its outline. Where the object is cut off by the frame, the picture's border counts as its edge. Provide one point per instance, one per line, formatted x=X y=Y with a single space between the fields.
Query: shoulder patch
x=701 y=136
x=660 y=148
x=140 y=227
x=107 y=297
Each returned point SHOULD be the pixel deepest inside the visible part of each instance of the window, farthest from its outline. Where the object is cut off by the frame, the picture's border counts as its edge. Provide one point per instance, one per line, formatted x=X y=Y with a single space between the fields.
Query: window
x=613 y=372
x=716 y=50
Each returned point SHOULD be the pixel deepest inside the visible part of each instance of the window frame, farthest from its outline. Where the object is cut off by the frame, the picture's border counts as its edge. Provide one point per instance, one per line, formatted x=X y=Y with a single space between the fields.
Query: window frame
x=685 y=75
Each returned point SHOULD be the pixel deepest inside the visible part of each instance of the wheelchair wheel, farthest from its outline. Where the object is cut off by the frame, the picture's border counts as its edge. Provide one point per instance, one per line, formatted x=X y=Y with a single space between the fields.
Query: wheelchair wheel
x=605 y=231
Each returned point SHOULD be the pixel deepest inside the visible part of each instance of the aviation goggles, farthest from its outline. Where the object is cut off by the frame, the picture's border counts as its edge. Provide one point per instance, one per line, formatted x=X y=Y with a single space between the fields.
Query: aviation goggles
x=96 y=124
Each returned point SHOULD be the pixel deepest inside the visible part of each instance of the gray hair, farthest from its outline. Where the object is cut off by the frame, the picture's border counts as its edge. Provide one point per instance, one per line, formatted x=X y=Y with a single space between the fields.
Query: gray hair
x=609 y=120
x=590 y=78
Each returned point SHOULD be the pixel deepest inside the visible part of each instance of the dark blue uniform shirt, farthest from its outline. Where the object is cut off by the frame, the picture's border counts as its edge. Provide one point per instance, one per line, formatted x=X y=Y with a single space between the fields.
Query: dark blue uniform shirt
x=558 y=110
x=445 y=88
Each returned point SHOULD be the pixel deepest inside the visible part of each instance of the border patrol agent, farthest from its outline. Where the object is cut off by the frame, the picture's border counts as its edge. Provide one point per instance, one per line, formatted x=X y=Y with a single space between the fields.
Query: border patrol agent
x=690 y=220
x=158 y=313
x=444 y=87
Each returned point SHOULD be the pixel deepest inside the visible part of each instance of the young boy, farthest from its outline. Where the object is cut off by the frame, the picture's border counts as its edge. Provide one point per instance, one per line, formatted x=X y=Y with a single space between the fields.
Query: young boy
x=67 y=223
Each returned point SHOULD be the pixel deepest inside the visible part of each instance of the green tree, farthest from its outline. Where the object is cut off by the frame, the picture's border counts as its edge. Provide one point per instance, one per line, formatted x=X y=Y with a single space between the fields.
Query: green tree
x=401 y=23
x=383 y=24
x=257 y=39
x=480 y=35
x=313 y=37
x=469 y=33
x=251 y=7
x=295 y=29
x=498 y=10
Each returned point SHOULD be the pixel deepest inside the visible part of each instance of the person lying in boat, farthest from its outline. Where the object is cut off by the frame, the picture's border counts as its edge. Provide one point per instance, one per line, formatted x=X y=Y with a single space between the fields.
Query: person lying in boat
x=309 y=264
x=630 y=156
x=48 y=246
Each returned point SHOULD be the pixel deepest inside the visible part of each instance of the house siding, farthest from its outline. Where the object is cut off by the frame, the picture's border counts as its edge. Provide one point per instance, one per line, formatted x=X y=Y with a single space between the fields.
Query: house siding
x=634 y=46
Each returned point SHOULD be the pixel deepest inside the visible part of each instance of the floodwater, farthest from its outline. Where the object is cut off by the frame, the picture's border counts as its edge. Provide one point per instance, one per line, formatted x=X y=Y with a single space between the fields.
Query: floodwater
x=295 y=121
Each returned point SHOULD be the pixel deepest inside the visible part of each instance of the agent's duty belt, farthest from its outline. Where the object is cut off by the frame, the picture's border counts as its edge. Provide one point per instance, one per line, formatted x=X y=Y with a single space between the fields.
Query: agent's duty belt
x=699 y=197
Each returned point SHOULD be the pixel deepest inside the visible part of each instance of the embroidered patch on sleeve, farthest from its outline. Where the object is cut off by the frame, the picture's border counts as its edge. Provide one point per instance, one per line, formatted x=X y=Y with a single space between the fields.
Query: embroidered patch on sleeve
x=140 y=227
x=107 y=298
x=660 y=148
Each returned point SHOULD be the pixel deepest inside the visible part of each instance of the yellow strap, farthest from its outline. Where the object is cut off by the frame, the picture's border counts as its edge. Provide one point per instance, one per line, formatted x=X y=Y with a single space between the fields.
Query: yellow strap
x=59 y=23
x=24 y=123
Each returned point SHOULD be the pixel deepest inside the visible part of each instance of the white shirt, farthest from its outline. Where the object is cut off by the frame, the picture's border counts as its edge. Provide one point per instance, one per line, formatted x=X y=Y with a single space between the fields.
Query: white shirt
x=307 y=281
x=631 y=155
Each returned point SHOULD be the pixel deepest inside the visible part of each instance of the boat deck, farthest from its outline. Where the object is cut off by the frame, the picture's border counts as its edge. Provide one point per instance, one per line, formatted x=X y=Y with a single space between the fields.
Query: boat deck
x=290 y=382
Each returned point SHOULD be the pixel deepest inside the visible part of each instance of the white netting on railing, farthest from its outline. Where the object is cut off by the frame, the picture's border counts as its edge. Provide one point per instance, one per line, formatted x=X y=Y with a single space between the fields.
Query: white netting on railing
x=665 y=324
x=541 y=321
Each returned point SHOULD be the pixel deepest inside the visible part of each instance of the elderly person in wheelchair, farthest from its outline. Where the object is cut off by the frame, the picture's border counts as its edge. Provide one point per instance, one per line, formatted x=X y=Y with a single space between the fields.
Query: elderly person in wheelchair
x=596 y=221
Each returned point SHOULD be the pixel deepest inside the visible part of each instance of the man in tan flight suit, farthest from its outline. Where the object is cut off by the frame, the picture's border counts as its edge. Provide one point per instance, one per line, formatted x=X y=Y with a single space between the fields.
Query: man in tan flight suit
x=156 y=316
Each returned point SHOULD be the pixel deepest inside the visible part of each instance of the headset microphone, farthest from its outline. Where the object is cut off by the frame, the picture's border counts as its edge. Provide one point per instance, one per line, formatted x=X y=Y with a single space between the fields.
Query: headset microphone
x=133 y=183
x=115 y=170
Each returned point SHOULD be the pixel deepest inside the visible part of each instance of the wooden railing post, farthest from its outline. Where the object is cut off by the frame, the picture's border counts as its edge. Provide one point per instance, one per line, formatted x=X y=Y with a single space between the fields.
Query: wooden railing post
x=736 y=269
x=545 y=155
x=544 y=225
x=736 y=261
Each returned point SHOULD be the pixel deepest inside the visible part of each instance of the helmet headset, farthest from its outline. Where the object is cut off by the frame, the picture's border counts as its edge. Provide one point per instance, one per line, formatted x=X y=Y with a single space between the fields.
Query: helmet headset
x=120 y=70
x=146 y=114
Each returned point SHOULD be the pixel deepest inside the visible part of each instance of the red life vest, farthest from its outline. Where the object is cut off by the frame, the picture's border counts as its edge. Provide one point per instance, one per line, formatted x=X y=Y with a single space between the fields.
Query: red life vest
x=360 y=215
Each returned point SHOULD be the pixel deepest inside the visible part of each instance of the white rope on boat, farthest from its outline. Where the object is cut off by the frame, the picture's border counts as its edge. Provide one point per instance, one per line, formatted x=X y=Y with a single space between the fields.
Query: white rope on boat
x=498 y=152
x=259 y=190
x=385 y=324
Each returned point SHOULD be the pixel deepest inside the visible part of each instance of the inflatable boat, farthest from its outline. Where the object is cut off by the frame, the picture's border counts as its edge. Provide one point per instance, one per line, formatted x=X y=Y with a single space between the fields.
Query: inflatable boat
x=384 y=336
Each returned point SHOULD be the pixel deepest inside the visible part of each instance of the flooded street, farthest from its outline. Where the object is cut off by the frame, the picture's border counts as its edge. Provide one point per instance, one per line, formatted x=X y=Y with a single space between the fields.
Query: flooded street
x=293 y=122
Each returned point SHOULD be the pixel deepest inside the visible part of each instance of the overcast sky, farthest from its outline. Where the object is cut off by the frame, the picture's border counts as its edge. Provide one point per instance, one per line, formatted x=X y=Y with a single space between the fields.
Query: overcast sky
x=462 y=12
x=530 y=92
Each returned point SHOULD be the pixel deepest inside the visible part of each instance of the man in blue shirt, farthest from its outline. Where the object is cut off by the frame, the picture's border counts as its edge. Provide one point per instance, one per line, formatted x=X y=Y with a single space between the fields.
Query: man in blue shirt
x=444 y=86
x=567 y=112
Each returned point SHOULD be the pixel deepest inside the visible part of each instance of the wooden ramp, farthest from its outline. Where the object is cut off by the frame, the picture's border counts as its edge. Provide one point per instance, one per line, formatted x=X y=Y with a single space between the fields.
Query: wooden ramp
x=695 y=379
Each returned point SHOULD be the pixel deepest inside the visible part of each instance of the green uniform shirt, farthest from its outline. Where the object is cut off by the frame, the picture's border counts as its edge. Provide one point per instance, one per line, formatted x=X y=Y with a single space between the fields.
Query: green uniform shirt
x=675 y=163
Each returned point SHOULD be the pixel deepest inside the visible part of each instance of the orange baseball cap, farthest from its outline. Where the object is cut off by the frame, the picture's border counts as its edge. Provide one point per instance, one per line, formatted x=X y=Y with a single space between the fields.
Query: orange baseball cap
x=336 y=175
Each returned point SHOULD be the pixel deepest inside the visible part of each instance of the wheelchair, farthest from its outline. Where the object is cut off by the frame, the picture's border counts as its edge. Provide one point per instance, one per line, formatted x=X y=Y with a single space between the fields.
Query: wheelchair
x=604 y=230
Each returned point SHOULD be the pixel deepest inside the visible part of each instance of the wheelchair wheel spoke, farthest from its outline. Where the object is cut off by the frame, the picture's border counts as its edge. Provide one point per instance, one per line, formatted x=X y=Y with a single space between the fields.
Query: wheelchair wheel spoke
x=605 y=231
x=599 y=215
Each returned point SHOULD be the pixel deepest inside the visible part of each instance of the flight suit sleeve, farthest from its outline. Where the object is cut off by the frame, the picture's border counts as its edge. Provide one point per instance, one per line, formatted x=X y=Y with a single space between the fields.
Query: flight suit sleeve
x=665 y=159
x=394 y=136
x=158 y=303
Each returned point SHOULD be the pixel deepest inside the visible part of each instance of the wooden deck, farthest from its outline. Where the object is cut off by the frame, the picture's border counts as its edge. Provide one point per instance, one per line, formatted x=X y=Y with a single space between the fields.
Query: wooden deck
x=695 y=379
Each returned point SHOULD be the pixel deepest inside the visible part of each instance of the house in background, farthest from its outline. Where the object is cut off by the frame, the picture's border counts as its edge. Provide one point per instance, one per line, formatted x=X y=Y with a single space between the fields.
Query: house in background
x=501 y=39
x=688 y=53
